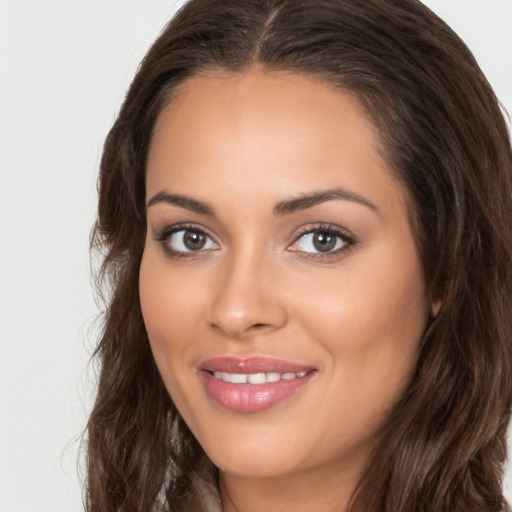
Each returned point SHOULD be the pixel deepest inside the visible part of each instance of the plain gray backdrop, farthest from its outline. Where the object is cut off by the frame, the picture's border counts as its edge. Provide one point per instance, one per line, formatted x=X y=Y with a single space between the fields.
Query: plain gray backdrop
x=64 y=68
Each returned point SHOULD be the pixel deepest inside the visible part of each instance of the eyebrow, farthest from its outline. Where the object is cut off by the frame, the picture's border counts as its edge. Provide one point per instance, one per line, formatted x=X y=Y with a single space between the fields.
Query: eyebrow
x=182 y=201
x=286 y=207
x=308 y=200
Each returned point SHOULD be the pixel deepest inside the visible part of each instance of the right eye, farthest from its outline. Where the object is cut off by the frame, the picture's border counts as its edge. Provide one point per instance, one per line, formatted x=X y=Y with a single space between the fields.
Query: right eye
x=189 y=240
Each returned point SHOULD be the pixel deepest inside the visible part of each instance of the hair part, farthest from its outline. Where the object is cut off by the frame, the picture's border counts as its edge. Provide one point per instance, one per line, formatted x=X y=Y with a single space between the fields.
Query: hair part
x=446 y=141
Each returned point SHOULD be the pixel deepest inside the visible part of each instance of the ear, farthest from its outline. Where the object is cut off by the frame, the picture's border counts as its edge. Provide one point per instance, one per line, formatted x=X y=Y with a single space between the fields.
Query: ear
x=435 y=306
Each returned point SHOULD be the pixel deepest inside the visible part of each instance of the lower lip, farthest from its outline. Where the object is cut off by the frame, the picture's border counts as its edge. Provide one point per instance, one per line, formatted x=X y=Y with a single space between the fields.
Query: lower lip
x=251 y=397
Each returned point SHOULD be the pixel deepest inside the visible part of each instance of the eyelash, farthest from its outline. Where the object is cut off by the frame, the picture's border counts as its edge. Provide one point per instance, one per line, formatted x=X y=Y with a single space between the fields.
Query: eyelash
x=348 y=240
x=164 y=236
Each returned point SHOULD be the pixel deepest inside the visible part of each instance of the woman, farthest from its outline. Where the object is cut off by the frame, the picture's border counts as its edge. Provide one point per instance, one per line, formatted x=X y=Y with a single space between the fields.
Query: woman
x=305 y=219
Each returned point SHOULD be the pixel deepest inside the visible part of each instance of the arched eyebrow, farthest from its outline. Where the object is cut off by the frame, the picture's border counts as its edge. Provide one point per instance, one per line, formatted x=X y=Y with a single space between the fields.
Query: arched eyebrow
x=285 y=207
x=306 y=201
x=183 y=201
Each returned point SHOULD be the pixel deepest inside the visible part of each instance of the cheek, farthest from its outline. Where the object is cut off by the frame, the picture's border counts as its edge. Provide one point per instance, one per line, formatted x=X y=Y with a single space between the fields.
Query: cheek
x=369 y=323
x=168 y=296
x=380 y=291
x=370 y=317
x=168 y=310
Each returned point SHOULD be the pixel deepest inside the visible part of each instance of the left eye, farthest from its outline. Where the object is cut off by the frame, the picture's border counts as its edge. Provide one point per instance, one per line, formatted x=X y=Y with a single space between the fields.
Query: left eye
x=320 y=242
x=189 y=240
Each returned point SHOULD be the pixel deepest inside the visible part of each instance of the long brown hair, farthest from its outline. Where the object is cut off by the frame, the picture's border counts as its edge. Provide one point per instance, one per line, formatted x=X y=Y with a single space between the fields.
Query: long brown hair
x=444 y=446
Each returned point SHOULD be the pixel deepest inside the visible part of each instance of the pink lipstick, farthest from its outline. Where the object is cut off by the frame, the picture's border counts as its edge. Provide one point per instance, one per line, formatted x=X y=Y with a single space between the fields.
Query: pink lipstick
x=254 y=384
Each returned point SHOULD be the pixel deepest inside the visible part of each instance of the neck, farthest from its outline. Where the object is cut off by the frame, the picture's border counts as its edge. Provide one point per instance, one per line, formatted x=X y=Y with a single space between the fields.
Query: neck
x=328 y=491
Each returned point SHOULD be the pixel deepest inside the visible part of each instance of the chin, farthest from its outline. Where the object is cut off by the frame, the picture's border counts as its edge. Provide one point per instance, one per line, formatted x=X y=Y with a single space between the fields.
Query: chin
x=258 y=454
x=261 y=465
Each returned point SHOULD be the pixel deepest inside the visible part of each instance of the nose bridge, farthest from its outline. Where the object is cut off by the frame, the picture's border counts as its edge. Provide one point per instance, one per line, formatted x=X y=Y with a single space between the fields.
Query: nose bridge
x=245 y=299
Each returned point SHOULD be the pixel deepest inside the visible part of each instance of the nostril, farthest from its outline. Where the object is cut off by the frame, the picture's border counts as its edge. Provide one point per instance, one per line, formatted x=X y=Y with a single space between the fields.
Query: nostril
x=259 y=328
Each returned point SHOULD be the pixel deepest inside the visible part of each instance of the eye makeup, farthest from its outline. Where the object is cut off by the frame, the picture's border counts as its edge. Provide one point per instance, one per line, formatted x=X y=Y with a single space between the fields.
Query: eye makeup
x=195 y=240
x=319 y=241
x=326 y=241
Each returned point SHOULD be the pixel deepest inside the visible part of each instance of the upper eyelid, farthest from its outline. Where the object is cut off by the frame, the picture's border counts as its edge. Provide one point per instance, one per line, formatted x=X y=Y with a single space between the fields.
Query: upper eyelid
x=331 y=228
x=169 y=229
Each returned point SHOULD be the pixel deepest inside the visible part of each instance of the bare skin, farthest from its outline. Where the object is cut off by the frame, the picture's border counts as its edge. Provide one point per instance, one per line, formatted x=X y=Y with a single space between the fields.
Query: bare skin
x=334 y=284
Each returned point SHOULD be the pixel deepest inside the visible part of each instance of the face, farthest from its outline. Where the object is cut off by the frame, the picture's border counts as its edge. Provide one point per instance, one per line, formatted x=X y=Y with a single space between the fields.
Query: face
x=280 y=285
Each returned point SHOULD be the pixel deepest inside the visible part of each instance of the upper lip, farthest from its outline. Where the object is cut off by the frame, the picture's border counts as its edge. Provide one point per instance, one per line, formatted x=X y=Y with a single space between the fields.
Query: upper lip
x=252 y=365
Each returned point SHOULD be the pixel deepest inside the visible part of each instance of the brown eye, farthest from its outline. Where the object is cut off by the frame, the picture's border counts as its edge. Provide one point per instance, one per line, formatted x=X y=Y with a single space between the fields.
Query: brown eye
x=189 y=240
x=324 y=242
x=194 y=240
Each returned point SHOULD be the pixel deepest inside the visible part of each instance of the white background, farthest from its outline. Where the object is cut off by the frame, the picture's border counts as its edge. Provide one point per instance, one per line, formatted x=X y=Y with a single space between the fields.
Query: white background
x=64 y=68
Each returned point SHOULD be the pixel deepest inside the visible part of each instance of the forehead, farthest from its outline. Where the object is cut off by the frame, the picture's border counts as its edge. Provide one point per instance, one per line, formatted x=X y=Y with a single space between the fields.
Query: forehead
x=273 y=102
x=256 y=128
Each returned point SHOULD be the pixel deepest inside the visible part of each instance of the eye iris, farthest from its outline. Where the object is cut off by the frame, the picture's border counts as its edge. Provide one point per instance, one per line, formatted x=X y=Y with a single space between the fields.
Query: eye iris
x=194 y=240
x=324 y=242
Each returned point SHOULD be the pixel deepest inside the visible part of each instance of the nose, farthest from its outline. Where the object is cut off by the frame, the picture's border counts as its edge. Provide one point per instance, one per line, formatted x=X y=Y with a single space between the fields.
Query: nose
x=245 y=298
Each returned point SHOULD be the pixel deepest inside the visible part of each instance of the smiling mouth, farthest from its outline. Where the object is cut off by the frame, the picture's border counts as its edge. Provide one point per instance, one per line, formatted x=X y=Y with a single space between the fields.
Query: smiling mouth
x=254 y=384
x=257 y=378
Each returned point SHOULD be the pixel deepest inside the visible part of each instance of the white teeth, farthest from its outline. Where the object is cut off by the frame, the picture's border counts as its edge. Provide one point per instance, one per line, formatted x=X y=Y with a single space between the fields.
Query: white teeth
x=257 y=378
x=238 y=378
